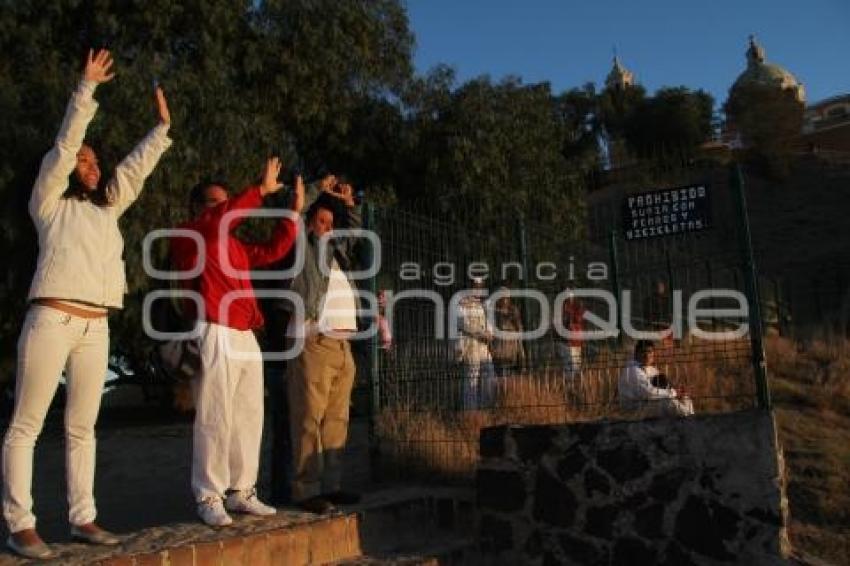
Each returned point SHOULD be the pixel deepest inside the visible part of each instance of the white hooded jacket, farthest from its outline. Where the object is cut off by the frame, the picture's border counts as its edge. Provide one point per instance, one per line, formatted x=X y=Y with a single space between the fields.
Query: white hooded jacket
x=80 y=245
x=472 y=345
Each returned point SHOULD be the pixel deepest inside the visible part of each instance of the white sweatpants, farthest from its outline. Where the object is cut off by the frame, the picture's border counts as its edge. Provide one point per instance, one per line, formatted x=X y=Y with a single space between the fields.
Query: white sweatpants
x=571 y=359
x=228 y=412
x=51 y=341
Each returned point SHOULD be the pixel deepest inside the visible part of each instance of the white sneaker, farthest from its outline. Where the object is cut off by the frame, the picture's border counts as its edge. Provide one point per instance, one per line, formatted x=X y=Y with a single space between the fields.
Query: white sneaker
x=211 y=511
x=247 y=502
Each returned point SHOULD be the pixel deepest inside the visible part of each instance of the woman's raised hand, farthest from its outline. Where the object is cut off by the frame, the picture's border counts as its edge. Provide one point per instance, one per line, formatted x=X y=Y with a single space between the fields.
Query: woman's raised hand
x=162 y=106
x=97 y=66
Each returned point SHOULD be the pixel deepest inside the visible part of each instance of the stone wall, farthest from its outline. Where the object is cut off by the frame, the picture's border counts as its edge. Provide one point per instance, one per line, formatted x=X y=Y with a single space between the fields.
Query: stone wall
x=702 y=490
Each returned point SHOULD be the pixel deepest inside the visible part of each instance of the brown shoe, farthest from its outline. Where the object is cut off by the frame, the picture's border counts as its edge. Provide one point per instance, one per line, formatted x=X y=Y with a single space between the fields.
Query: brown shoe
x=28 y=544
x=92 y=534
x=318 y=505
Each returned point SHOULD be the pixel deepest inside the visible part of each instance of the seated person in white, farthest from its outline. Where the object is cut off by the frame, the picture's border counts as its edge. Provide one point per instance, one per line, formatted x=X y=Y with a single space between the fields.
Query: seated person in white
x=641 y=387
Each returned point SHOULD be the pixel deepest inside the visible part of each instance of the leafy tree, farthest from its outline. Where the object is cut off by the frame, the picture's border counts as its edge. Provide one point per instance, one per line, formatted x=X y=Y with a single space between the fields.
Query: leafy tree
x=335 y=68
x=578 y=113
x=494 y=148
x=617 y=107
x=672 y=118
x=303 y=78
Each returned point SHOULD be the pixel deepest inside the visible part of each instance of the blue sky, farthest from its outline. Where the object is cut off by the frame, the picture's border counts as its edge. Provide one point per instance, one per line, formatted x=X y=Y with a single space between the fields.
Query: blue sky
x=664 y=42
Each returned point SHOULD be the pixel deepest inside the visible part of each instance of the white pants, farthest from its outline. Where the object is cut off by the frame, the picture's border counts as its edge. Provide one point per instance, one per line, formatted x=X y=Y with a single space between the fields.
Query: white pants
x=50 y=342
x=479 y=385
x=228 y=412
x=679 y=407
x=650 y=408
x=571 y=359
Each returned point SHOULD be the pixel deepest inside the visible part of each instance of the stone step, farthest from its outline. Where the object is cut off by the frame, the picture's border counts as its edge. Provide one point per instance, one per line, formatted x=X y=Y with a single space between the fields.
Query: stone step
x=453 y=551
x=400 y=520
x=392 y=524
x=417 y=525
x=287 y=538
x=394 y=561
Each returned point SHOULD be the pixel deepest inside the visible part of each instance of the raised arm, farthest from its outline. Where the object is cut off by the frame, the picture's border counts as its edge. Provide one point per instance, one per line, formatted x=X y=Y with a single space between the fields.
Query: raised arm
x=60 y=161
x=250 y=197
x=352 y=221
x=260 y=255
x=130 y=175
x=314 y=190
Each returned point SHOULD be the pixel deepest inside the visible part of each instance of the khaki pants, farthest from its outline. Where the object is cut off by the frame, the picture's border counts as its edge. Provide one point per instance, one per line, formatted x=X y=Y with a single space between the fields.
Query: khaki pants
x=319 y=383
x=51 y=341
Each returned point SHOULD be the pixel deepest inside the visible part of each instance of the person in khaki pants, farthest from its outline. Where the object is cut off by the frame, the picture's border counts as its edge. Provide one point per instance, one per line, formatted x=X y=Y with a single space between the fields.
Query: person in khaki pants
x=320 y=378
x=319 y=387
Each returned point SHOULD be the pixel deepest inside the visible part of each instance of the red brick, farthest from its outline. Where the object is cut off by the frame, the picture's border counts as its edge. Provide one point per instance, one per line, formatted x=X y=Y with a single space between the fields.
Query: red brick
x=124 y=560
x=289 y=546
x=152 y=559
x=352 y=531
x=208 y=554
x=346 y=537
x=343 y=543
x=181 y=556
x=256 y=550
x=232 y=552
x=321 y=545
x=328 y=540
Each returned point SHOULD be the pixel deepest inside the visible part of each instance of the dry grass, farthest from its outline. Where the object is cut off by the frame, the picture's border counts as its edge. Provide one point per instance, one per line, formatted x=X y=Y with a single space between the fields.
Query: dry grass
x=430 y=439
x=814 y=373
x=810 y=384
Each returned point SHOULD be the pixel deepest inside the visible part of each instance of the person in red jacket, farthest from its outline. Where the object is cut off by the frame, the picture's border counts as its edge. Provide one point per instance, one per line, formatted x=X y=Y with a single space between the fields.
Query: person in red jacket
x=229 y=392
x=571 y=346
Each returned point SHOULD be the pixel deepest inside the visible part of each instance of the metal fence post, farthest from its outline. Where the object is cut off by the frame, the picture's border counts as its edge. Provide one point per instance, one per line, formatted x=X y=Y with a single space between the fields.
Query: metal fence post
x=671 y=283
x=752 y=292
x=522 y=237
x=615 y=281
x=374 y=370
x=710 y=281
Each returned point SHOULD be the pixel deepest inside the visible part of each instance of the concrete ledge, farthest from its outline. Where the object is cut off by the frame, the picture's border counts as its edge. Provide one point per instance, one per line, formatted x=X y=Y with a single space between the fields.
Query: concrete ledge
x=287 y=538
x=397 y=525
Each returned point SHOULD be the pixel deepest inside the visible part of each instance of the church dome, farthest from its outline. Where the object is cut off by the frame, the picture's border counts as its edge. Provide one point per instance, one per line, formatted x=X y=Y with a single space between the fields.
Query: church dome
x=761 y=73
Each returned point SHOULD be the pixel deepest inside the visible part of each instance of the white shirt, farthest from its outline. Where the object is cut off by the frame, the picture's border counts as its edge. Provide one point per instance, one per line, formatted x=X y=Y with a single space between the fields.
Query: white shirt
x=338 y=311
x=471 y=347
x=635 y=384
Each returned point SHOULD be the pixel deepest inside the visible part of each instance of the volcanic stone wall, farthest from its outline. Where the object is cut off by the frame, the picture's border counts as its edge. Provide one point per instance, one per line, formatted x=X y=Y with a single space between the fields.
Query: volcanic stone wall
x=700 y=490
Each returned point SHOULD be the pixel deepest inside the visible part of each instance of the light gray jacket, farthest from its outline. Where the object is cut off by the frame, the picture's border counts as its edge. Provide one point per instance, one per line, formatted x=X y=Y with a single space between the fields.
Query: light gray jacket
x=80 y=245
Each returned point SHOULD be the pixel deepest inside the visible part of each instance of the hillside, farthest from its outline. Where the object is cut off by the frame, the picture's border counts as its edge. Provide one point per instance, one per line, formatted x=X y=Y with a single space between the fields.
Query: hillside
x=810 y=383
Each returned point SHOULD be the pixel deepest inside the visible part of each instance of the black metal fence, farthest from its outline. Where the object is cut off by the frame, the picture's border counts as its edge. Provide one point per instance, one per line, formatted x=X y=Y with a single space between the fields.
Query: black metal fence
x=430 y=396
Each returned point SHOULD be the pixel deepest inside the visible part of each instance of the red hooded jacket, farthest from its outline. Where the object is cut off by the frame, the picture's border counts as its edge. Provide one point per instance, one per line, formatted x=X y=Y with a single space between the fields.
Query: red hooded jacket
x=214 y=283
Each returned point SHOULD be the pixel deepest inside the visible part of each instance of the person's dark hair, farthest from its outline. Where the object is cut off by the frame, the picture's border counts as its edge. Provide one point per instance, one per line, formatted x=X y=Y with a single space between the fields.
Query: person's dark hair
x=197 y=195
x=99 y=196
x=643 y=346
x=318 y=205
